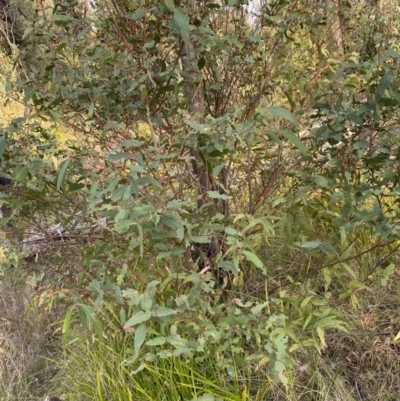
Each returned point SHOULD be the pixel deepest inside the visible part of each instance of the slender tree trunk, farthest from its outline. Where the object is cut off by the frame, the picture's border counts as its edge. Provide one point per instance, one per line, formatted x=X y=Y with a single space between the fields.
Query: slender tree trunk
x=195 y=108
x=337 y=23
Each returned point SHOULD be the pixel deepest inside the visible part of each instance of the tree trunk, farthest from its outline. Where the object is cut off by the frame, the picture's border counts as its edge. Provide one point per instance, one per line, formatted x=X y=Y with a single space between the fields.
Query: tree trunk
x=195 y=108
x=337 y=23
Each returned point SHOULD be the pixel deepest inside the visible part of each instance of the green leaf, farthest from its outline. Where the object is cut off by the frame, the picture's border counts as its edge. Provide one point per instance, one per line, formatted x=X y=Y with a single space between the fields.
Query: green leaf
x=283 y=113
x=139 y=14
x=87 y=311
x=174 y=222
x=228 y=266
x=27 y=31
x=119 y=156
x=392 y=53
x=201 y=239
x=258 y=308
x=251 y=257
x=310 y=244
x=349 y=270
x=91 y=109
x=3 y=145
x=60 y=47
x=56 y=116
x=170 y=4
x=383 y=84
x=65 y=329
x=217 y=195
x=201 y=63
x=140 y=336
x=20 y=173
x=138 y=318
x=163 y=311
x=61 y=173
x=121 y=192
x=146 y=303
x=29 y=92
x=217 y=169
x=321 y=335
x=355 y=118
x=157 y=341
x=295 y=140
x=339 y=72
x=327 y=248
x=121 y=226
x=182 y=20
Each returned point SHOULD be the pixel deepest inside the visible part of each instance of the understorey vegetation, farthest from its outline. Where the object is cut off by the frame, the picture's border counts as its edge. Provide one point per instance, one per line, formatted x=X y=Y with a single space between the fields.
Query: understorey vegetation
x=199 y=200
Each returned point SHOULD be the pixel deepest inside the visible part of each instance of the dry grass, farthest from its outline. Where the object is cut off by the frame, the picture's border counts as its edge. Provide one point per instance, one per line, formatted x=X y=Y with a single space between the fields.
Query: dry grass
x=370 y=363
x=25 y=344
x=353 y=367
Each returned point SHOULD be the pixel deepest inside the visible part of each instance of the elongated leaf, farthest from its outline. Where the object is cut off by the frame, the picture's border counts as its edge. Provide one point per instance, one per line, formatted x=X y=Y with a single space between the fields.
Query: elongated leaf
x=3 y=145
x=157 y=341
x=283 y=113
x=61 y=174
x=327 y=248
x=383 y=84
x=321 y=335
x=295 y=140
x=138 y=318
x=65 y=329
x=174 y=222
x=140 y=336
x=311 y=244
x=392 y=53
x=29 y=92
x=182 y=20
x=217 y=195
x=119 y=156
x=121 y=226
x=163 y=311
x=88 y=312
x=228 y=266
x=251 y=257
x=217 y=169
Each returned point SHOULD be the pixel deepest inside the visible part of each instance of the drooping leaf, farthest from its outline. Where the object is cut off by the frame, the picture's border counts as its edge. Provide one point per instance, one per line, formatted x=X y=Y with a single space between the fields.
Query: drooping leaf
x=173 y=221
x=140 y=336
x=283 y=113
x=253 y=258
x=61 y=173
x=383 y=84
x=66 y=327
x=295 y=140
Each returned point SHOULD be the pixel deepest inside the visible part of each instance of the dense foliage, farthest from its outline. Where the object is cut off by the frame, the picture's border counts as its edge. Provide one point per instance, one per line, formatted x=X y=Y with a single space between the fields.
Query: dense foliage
x=200 y=176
